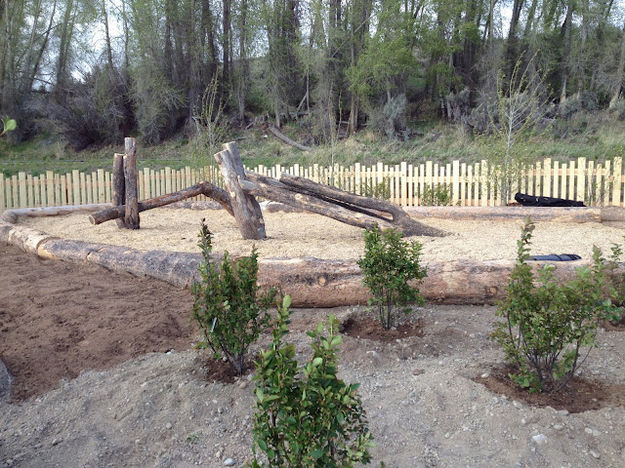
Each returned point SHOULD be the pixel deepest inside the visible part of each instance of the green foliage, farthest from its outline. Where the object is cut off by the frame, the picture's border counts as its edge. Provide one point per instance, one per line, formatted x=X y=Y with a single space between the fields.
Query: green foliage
x=437 y=195
x=306 y=416
x=547 y=325
x=381 y=191
x=389 y=265
x=613 y=284
x=227 y=304
x=519 y=107
x=8 y=125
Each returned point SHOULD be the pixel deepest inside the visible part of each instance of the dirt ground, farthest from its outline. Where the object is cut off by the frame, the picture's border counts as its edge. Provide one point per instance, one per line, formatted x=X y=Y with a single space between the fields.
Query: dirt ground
x=303 y=234
x=105 y=376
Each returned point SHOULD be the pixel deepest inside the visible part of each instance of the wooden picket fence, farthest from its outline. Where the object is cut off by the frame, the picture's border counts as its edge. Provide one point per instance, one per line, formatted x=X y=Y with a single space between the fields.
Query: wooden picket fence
x=597 y=184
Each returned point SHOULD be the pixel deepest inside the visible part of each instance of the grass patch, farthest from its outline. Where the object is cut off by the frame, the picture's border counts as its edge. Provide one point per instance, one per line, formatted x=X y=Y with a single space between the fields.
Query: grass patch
x=595 y=137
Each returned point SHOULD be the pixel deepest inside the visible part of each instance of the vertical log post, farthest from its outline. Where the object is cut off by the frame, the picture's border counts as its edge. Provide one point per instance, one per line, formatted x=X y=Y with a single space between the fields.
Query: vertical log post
x=119 y=185
x=131 y=218
x=245 y=207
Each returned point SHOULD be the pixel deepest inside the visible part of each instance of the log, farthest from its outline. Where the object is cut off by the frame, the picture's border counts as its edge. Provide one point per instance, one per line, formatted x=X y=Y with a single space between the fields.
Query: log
x=246 y=209
x=399 y=218
x=131 y=216
x=273 y=189
x=119 y=185
x=281 y=136
x=203 y=188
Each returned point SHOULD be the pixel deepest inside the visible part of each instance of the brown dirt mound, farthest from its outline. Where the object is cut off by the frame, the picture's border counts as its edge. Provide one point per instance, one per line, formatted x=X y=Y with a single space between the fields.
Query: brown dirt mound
x=577 y=396
x=371 y=329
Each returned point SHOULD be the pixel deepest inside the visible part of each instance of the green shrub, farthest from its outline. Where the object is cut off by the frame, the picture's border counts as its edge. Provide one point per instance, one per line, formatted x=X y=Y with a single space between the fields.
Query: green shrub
x=305 y=415
x=613 y=284
x=389 y=264
x=437 y=195
x=227 y=304
x=548 y=328
x=381 y=191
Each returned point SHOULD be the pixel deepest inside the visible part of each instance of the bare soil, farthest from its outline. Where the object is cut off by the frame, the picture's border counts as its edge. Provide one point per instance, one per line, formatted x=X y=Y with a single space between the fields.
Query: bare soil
x=303 y=234
x=105 y=376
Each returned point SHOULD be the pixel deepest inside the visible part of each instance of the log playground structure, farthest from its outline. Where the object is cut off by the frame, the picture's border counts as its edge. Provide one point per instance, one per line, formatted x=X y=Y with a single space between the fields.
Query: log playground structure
x=239 y=198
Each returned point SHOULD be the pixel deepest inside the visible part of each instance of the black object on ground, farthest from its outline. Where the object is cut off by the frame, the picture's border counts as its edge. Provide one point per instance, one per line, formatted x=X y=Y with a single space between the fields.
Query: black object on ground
x=531 y=200
x=555 y=257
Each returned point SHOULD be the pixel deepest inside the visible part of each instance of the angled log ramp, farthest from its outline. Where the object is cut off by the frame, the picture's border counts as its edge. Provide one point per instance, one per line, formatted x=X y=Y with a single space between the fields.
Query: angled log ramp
x=246 y=209
x=384 y=212
x=334 y=203
x=203 y=188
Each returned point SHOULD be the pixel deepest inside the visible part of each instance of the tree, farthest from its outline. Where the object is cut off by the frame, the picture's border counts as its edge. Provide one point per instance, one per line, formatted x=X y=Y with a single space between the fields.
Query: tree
x=518 y=108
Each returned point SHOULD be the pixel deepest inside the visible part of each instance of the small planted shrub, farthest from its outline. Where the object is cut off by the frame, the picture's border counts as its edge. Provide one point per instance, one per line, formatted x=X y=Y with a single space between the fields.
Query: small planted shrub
x=305 y=415
x=613 y=284
x=438 y=195
x=389 y=266
x=228 y=306
x=548 y=327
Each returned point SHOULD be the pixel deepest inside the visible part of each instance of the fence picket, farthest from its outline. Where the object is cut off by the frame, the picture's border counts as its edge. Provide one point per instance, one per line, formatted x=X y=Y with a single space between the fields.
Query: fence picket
x=595 y=183
x=618 y=180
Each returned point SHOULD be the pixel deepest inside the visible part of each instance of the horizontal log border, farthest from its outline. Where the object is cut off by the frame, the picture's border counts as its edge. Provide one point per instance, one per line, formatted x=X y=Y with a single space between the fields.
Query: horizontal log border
x=312 y=282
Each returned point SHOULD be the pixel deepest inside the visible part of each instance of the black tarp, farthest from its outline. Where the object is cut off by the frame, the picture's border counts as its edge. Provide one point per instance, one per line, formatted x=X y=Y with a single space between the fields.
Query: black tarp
x=531 y=200
x=555 y=257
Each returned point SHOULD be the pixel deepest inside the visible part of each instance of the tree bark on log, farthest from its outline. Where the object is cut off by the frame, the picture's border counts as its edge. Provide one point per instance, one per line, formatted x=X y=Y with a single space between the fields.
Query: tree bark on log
x=281 y=136
x=131 y=216
x=246 y=209
x=364 y=214
x=203 y=188
x=399 y=218
x=119 y=185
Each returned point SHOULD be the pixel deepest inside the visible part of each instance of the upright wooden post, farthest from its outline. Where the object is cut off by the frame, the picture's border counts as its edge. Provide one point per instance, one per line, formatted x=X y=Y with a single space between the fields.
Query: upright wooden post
x=245 y=207
x=119 y=185
x=131 y=217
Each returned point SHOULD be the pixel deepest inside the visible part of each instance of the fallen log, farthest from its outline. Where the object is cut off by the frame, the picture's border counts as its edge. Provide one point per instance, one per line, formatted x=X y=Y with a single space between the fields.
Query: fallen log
x=398 y=217
x=203 y=188
x=281 y=136
x=352 y=214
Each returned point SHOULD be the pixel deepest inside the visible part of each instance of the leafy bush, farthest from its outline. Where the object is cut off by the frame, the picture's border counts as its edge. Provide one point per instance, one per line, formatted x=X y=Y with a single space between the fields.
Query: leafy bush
x=306 y=416
x=381 y=191
x=613 y=284
x=227 y=304
x=437 y=195
x=388 y=266
x=548 y=325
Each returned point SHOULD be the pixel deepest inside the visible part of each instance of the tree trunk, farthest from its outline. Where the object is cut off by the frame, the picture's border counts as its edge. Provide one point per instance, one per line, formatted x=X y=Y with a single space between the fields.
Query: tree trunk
x=131 y=215
x=203 y=188
x=619 y=73
x=107 y=36
x=245 y=207
x=226 y=44
x=566 y=51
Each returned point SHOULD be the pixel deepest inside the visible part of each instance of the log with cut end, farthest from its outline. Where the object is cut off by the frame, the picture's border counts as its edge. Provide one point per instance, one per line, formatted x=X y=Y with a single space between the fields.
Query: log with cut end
x=131 y=216
x=344 y=207
x=246 y=209
x=203 y=188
